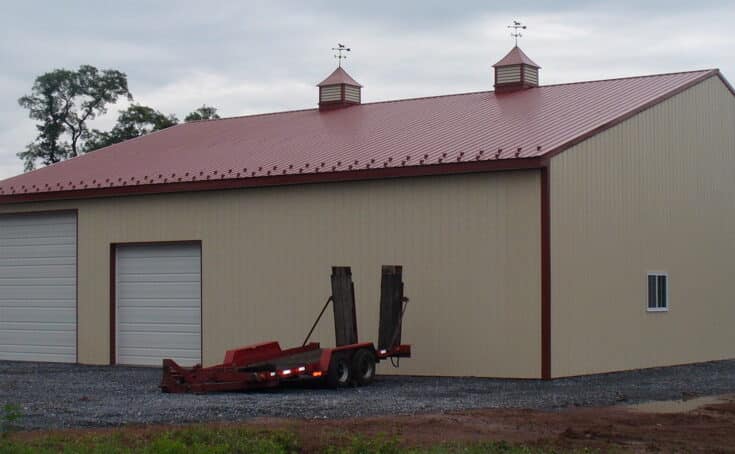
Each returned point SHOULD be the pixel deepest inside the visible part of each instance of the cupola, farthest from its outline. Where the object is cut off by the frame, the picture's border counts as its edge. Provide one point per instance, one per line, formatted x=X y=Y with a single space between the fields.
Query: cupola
x=339 y=90
x=515 y=71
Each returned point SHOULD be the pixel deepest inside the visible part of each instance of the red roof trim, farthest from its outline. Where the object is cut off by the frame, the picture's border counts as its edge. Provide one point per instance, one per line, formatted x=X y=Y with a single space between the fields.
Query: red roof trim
x=282 y=180
x=551 y=153
x=725 y=81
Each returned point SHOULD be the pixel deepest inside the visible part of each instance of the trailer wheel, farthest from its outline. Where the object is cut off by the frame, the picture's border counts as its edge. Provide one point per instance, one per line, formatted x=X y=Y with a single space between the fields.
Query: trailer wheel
x=363 y=367
x=339 y=374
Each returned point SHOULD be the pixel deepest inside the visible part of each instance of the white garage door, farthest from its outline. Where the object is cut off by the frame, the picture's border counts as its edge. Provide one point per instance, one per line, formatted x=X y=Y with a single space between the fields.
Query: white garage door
x=158 y=304
x=38 y=287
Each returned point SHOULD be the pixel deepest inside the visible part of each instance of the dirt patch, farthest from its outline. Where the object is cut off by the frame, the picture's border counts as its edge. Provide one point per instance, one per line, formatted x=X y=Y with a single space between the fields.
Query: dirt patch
x=707 y=428
x=679 y=405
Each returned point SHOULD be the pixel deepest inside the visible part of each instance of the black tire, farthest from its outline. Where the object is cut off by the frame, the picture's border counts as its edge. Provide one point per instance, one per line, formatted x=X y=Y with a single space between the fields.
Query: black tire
x=339 y=374
x=363 y=367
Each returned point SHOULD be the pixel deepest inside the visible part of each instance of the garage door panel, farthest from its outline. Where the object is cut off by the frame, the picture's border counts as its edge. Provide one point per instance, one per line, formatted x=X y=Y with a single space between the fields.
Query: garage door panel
x=154 y=315
x=65 y=293
x=174 y=328
x=161 y=251
x=142 y=277
x=151 y=290
x=158 y=290
x=36 y=261
x=6 y=301
x=61 y=231
x=191 y=353
x=40 y=219
x=35 y=249
x=30 y=230
x=38 y=287
x=44 y=353
x=36 y=281
x=39 y=314
x=52 y=339
x=163 y=303
x=155 y=342
x=61 y=332
x=39 y=271
x=45 y=241
x=185 y=357
x=173 y=265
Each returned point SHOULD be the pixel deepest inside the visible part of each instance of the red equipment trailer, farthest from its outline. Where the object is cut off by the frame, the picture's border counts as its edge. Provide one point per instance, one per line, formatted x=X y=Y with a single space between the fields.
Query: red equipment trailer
x=266 y=365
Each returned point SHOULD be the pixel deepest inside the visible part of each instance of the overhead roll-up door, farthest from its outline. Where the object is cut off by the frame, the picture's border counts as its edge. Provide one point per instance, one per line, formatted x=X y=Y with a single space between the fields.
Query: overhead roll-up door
x=158 y=303
x=38 y=287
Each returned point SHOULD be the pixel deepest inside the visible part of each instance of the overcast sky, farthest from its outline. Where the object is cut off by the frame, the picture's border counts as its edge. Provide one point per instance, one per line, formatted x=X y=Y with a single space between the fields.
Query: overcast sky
x=249 y=56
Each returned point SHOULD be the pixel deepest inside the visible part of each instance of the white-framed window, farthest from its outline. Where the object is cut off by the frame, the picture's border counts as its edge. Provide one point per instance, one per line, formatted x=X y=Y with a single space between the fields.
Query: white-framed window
x=658 y=292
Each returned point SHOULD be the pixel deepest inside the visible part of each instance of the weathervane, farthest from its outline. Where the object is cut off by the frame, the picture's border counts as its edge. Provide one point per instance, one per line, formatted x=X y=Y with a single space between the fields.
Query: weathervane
x=517 y=27
x=340 y=48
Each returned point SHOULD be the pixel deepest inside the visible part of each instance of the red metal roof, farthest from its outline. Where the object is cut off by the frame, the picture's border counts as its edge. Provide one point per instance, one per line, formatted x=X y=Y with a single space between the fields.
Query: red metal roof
x=444 y=134
x=516 y=57
x=339 y=76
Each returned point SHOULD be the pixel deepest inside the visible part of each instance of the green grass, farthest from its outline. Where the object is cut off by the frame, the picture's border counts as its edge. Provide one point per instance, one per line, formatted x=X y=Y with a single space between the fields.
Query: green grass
x=202 y=439
x=9 y=415
x=187 y=440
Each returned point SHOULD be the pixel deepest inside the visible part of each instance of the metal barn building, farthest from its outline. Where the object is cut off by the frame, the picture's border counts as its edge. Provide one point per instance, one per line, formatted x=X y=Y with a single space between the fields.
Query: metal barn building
x=545 y=231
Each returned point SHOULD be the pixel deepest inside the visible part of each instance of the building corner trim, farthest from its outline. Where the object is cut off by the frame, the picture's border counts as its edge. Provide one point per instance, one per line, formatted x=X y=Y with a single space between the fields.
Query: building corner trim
x=113 y=305
x=545 y=275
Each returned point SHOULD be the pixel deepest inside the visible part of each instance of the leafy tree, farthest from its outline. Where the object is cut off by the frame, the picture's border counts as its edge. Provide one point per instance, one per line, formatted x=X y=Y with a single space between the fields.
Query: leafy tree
x=203 y=113
x=63 y=101
x=132 y=122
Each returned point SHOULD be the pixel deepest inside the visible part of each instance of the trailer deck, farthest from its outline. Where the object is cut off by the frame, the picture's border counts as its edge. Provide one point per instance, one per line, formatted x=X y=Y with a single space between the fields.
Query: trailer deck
x=267 y=365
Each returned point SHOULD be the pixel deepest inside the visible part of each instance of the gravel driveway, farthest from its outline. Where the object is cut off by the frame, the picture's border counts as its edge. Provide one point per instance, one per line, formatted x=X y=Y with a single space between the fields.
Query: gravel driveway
x=61 y=395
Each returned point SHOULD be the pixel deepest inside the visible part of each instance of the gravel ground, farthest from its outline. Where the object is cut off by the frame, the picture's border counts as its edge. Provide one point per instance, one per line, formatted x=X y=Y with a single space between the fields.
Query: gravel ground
x=61 y=395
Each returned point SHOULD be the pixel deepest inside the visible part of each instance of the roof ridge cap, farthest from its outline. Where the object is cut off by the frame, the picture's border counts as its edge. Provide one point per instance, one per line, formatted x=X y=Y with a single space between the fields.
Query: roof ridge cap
x=468 y=93
x=703 y=71
x=262 y=114
x=418 y=98
x=385 y=101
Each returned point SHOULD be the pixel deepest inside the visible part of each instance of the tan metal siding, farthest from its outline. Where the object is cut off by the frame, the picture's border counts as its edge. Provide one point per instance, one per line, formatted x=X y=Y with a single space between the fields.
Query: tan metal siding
x=331 y=93
x=508 y=74
x=655 y=193
x=470 y=245
x=352 y=94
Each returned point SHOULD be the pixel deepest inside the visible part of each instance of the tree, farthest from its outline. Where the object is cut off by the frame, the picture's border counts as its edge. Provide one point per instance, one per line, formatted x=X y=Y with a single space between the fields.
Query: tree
x=203 y=113
x=63 y=101
x=132 y=122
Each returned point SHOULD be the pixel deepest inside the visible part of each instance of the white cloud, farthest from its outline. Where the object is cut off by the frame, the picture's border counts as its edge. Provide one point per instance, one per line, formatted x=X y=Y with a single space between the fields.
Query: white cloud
x=231 y=95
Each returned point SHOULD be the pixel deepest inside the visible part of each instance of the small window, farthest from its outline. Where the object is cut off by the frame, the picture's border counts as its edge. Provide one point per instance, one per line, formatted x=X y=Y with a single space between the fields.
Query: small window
x=658 y=292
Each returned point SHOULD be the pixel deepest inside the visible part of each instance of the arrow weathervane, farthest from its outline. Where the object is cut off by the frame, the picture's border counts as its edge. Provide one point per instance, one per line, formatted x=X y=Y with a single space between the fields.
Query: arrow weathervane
x=516 y=33
x=339 y=49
